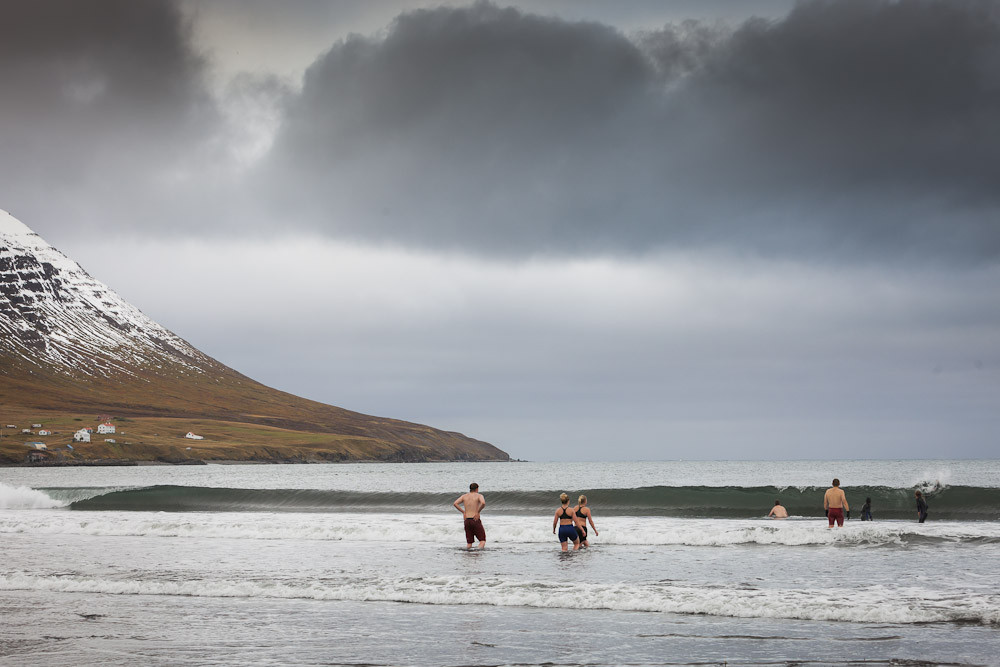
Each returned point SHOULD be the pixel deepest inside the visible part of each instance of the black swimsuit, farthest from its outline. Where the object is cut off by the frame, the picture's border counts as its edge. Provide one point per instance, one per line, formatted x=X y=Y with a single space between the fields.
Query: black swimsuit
x=567 y=532
x=581 y=530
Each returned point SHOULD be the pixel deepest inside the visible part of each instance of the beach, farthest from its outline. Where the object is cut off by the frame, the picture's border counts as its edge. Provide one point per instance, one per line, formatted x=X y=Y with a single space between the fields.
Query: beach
x=366 y=564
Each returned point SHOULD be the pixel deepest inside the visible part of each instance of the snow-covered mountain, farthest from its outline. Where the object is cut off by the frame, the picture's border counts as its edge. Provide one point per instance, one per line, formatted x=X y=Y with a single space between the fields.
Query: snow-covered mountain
x=53 y=314
x=69 y=345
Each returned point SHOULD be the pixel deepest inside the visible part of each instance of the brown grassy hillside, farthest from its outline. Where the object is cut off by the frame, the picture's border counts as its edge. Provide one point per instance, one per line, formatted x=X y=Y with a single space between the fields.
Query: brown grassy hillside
x=71 y=349
x=241 y=420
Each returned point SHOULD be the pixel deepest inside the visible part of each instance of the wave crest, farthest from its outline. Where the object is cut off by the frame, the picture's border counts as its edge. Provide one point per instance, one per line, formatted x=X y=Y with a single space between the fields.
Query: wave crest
x=956 y=502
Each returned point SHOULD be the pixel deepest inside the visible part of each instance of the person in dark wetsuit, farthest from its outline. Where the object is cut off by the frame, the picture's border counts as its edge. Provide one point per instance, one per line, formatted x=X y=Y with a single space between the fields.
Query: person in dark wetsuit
x=583 y=513
x=921 y=507
x=866 y=510
x=565 y=519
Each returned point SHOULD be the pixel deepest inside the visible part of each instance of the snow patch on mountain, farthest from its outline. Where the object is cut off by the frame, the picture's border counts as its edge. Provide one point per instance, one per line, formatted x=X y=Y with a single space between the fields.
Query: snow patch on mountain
x=54 y=314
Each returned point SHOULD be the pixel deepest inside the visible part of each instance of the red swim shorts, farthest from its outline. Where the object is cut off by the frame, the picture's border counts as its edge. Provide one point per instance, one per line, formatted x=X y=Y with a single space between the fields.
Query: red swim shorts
x=474 y=529
x=836 y=514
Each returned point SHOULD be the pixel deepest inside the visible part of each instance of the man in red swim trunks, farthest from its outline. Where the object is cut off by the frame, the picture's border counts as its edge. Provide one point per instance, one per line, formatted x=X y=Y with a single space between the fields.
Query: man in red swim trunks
x=835 y=504
x=472 y=503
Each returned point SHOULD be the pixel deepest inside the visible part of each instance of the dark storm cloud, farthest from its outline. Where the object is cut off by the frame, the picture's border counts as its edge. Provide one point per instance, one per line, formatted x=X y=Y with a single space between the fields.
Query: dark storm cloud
x=103 y=108
x=461 y=124
x=846 y=127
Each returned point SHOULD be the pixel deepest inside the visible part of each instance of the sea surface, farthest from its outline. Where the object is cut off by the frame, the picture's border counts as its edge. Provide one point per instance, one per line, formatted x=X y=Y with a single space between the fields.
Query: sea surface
x=365 y=564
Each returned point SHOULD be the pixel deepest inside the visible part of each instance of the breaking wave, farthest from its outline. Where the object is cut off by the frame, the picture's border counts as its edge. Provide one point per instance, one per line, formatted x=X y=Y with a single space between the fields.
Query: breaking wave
x=952 y=503
x=23 y=497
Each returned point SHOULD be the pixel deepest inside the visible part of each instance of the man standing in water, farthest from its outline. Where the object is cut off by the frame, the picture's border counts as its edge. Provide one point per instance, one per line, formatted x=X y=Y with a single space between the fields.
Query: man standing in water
x=835 y=504
x=472 y=503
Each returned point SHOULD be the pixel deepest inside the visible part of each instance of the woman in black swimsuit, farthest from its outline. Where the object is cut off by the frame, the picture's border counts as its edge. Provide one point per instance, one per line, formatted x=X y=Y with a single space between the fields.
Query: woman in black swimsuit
x=566 y=520
x=583 y=513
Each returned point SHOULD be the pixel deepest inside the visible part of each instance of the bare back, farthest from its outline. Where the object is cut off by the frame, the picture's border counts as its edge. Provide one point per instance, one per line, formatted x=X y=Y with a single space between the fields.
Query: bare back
x=835 y=499
x=472 y=504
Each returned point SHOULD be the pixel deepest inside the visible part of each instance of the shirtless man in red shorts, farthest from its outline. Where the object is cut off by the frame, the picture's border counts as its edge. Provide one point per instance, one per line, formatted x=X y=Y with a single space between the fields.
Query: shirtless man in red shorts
x=835 y=504
x=472 y=503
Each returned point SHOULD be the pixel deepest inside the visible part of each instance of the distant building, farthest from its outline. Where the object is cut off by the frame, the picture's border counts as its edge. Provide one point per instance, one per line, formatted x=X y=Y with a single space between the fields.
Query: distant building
x=192 y=436
x=111 y=440
x=45 y=432
x=89 y=430
x=27 y=431
x=106 y=427
x=11 y=426
x=83 y=435
x=36 y=456
x=36 y=426
x=36 y=445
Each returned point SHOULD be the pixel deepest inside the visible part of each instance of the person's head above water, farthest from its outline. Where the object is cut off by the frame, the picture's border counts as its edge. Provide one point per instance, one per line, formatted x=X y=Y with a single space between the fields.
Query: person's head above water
x=836 y=482
x=917 y=494
x=777 y=502
x=868 y=501
x=473 y=487
x=563 y=498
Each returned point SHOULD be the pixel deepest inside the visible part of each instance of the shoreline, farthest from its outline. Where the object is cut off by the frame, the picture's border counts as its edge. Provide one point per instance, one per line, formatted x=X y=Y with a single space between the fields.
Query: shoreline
x=227 y=462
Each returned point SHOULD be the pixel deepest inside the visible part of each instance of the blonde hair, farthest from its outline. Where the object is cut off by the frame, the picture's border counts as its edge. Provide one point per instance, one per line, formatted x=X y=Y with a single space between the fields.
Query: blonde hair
x=582 y=500
x=564 y=498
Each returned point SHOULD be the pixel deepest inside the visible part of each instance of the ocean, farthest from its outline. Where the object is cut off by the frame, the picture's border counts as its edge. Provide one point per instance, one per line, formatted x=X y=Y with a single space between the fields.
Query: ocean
x=365 y=564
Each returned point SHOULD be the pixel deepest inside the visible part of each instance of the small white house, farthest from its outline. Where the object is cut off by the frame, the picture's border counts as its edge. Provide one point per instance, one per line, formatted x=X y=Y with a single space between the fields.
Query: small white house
x=106 y=427
x=36 y=426
x=83 y=435
x=27 y=431
x=10 y=426
x=36 y=445
x=111 y=440
x=45 y=432
x=192 y=436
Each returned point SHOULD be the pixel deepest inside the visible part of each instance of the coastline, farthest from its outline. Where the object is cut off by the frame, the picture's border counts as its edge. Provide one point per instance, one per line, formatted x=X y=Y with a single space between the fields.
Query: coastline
x=228 y=462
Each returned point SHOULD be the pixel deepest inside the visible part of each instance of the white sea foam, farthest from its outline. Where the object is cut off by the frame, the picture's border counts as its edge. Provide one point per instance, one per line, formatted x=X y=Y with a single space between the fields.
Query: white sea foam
x=421 y=528
x=22 y=497
x=874 y=604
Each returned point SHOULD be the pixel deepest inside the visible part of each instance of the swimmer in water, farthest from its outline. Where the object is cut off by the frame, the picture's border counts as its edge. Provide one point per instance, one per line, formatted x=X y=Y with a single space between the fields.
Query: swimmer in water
x=565 y=519
x=835 y=504
x=583 y=514
x=470 y=505
x=778 y=512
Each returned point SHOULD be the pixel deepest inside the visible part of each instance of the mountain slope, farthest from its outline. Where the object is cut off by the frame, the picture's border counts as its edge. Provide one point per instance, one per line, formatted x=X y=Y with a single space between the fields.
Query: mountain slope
x=69 y=344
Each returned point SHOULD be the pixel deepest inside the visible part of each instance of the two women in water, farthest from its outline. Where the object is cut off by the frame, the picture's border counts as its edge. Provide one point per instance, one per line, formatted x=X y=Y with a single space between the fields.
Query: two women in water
x=571 y=523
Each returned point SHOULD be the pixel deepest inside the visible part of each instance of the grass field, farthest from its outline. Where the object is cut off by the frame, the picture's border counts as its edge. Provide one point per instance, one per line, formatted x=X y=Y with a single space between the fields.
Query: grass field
x=240 y=419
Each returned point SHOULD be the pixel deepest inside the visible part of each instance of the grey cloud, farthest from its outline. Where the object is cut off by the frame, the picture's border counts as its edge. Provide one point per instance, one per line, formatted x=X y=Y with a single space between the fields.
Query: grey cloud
x=104 y=108
x=459 y=124
x=774 y=359
x=847 y=127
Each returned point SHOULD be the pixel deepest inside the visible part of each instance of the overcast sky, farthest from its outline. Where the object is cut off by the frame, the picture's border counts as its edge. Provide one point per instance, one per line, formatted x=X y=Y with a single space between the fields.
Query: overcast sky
x=576 y=229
